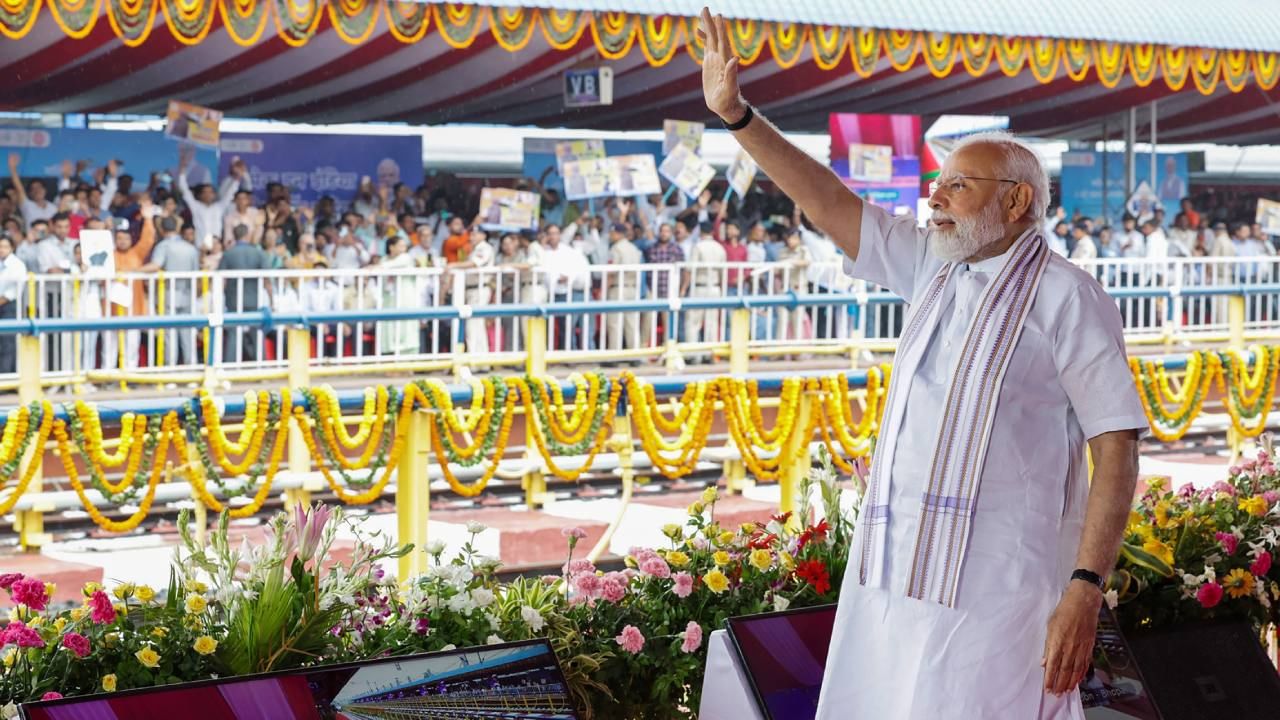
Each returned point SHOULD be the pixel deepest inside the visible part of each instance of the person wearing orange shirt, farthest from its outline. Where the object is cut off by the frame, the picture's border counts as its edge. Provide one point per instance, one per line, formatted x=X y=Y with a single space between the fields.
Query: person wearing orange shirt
x=130 y=257
x=458 y=244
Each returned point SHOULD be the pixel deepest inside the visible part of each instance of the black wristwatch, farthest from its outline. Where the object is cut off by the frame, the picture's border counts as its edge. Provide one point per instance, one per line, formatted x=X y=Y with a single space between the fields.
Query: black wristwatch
x=746 y=120
x=1088 y=576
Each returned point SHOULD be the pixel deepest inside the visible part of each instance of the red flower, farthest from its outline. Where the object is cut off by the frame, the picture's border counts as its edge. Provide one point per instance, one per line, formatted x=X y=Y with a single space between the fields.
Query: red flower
x=816 y=533
x=814 y=573
x=762 y=541
x=781 y=519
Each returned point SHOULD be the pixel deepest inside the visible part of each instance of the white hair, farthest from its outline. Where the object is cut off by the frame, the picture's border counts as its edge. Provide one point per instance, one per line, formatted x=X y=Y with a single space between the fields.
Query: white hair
x=1019 y=162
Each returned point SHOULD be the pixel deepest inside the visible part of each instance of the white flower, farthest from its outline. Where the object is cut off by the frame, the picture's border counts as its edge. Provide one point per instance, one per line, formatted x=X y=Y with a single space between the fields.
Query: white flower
x=780 y=603
x=487 y=563
x=9 y=711
x=1112 y=597
x=434 y=547
x=461 y=603
x=448 y=647
x=482 y=597
x=1190 y=580
x=494 y=624
x=532 y=618
x=493 y=640
x=475 y=528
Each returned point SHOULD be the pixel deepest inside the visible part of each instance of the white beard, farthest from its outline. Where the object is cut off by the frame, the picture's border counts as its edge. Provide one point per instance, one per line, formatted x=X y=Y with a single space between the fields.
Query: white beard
x=967 y=237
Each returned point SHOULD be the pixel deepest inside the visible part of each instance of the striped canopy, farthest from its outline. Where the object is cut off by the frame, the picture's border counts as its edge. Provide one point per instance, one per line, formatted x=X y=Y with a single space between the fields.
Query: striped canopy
x=385 y=60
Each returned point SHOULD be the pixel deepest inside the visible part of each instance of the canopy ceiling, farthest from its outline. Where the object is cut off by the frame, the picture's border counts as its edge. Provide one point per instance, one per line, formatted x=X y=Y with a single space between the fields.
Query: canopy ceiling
x=354 y=61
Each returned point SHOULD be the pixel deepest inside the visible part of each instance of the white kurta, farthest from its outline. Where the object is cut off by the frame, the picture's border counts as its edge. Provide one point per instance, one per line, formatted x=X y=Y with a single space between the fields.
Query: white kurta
x=1068 y=380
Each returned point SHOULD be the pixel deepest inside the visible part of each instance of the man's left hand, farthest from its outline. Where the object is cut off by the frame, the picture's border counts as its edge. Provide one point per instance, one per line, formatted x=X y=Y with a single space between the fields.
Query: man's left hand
x=1068 y=645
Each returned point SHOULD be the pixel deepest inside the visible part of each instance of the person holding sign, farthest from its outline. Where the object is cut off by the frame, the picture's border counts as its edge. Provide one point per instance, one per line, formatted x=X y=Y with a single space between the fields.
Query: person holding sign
x=975 y=578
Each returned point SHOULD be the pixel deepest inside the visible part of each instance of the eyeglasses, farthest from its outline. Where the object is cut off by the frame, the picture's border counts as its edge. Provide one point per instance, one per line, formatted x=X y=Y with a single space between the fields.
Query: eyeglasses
x=957 y=184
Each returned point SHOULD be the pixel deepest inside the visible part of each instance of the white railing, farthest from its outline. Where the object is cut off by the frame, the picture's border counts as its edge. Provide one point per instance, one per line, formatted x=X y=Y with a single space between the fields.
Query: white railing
x=1181 y=313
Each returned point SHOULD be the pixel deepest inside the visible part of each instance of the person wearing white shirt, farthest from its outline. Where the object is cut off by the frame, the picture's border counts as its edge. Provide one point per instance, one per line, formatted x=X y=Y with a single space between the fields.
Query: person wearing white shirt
x=13 y=275
x=568 y=275
x=1086 y=248
x=209 y=209
x=348 y=252
x=32 y=201
x=583 y=235
x=704 y=282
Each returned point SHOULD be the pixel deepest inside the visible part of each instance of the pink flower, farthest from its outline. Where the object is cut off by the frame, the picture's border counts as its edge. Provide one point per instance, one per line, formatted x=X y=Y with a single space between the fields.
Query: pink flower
x=1271 y=496
x=1229 y=542
x=1261 y=565
x=103 y=611
x=30 y=592
x=76 y=643
x=578 y=567
x=683 y=584
x=1186 y=491
x=586 y=585
x=576 y=533
x=8 y=579
x=631 y=639
x=307 y=529
x=613 y=589
x=1234 y=470
x=550 y=579
x=1224 y=487
x=692 y=637
x=656 y=567
x=1209 y=594
x=51 y=695
x=17 y=633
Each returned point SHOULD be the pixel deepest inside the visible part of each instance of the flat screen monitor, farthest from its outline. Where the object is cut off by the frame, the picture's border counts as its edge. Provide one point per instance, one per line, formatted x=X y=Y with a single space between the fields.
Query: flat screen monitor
x=513 y=680
x=784 y=655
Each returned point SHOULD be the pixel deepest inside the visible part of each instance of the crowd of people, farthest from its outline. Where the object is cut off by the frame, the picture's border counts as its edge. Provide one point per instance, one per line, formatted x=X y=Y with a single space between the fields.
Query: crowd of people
x=171 y=227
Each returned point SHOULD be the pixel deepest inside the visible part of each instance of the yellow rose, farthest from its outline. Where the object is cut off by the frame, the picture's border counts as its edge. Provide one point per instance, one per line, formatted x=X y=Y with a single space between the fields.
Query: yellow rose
x=77 y=614
x=10 y=657
x=1255 y=506
x=716 y=581
x=123 y=591
x=721 y=558
x=673 y=531
x=109 y=682
x=1159 y=549
x=91 y=588
x=747 y=528
x=196 y=604
x=761 y=560
x=148 y=657
x=677 y=558
x=196 y=586
x=159 y=632
x=696 y=508
x=788 y=562
x=709 y=495
x=205 y=645
x=60 y=624
x=726 y=537
x=145 y=593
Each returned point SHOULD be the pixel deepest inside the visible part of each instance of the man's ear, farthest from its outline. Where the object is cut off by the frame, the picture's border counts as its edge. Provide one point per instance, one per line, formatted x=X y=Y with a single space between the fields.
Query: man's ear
x=1018 y=202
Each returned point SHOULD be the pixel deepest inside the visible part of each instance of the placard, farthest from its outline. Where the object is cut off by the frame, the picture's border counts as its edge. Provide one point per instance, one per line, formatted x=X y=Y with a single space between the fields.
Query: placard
x=1143 y=202
x=637 y=175
x=585 y=179
x=1268 y=216
x=120 y=294
x=682 y=132
x=870 y=163
x=97 y=249
x=506 y=209
x=687 y=171
x=742 y=172
x=192 y=123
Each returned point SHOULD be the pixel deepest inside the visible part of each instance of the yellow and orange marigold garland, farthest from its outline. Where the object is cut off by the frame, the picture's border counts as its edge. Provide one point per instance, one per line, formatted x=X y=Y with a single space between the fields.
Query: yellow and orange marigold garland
x=1251 y=395
x=681 y=415
x=699 y=414
x=37 y=458
x=249 y=443
x=568 y=429
x=374 y=491
x=499 y=449
x=1168 y=426
x=201 y=489
x=334 y=432
x=169 y=429
x=533 y=424
x=482 y=397
x=92 y=427
x=748 y=437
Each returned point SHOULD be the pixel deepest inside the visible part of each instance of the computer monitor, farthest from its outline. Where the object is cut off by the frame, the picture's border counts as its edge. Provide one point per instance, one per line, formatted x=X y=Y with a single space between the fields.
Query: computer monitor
x=513 y=680
x=784 y=655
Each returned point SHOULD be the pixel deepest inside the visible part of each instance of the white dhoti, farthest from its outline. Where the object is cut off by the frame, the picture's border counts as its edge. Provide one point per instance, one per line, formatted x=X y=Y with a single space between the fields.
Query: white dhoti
x=898 y=657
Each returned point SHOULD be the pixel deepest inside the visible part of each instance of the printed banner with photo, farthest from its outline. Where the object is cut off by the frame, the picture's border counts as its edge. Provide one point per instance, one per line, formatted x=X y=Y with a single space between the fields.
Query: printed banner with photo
x=192 y=123
x=1143 y=202
x=506 y=209
x=139 y=153
x=98 y=249
x=742 y=173
x=313 y=166
x=682 y=132
x=870 y=163
x=584 y=179
x=542 y=164
x=573 y=150
x=1268 y=216
x=687 y=171
x=638 y=175
x=1086 y=190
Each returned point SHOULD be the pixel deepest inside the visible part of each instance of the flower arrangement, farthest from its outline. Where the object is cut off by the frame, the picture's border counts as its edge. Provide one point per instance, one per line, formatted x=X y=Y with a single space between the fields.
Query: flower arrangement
x=1193 y=554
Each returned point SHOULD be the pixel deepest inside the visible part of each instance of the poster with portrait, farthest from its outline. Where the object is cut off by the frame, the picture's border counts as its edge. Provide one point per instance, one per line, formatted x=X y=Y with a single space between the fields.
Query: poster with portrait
x=687 y=171
x=568 y=151
x=682 y=132
x=192 y=123
x=585 y=179
x=637 y=175
x=742 y=173
x=1143 y=202
x=98 y=250
x=508 y=210
x=1268 y=216
x=870 y=163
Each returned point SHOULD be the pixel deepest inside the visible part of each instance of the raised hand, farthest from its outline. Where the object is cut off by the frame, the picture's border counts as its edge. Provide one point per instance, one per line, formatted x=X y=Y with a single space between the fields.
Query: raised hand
x=720 y=69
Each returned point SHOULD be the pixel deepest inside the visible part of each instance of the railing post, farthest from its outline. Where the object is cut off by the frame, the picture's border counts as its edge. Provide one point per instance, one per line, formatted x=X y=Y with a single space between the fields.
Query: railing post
x=413 y=495
x=1235 y=320
x=795 y=459
x=298 y=346
x=739 y=340
x=735 y=477
x=534 y=482
x=30 y=523
x=213 y=334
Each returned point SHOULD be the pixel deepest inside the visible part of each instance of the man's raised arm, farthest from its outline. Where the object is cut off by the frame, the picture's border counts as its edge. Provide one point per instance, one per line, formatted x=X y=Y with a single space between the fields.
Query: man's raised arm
x=817 y=190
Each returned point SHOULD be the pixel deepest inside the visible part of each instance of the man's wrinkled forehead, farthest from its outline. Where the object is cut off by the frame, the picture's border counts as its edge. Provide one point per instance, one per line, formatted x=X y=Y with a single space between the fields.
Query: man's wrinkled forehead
x=977 y=160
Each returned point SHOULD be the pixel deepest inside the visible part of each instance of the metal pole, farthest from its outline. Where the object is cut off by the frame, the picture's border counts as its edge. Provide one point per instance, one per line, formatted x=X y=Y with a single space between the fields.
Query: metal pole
x=413 y=495
x=298 y=347
x=30 y=523
x=1106 y=204
x=1130 y=168
x=1155 y=177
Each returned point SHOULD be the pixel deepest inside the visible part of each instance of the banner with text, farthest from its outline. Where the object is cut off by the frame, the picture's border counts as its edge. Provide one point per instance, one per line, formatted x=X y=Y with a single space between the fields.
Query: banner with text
x=1082 y=182
x=313 y=166
x=42 y=151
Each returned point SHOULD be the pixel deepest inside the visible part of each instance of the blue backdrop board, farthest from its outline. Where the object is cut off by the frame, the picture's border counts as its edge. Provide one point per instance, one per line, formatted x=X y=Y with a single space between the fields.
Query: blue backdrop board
x=1082 y=182
x=312 y=166
x=44 y=149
